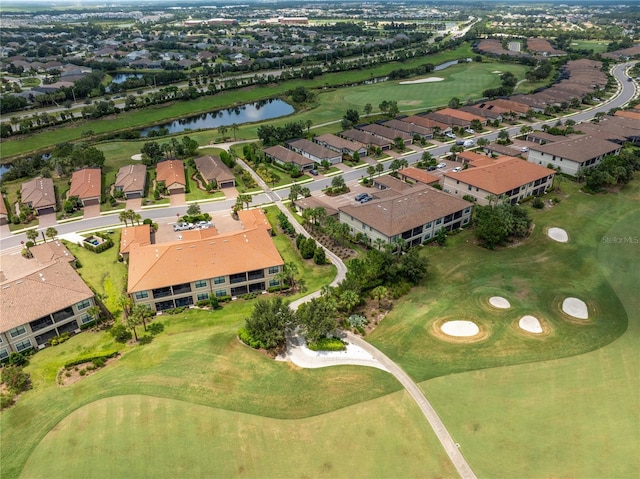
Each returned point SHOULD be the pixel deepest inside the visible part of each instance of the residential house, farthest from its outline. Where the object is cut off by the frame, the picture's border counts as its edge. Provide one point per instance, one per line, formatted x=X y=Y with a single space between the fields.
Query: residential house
x=232 y=264
x=212 y=168
x=41 y=298
x=471 y=158
x=415 y=215
x=131 y=180
x=453 y=117
x=416 y=175
x=513 y=178
x=39 y=195
x=312 y=202
x=501 y=150
x=171 y=172
x=86 y=184
x=387 y=133
x=614 y=128
x=314 y=151
x=367 y=139
x=573 y=154
x=426 y=122
x=284 y=157
x=341 y=145
x=410 y=128
x=4 y=212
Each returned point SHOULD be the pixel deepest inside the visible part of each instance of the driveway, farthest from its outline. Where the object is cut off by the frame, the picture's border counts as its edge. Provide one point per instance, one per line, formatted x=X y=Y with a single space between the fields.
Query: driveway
x=44 y=221
x=91 y=211
x=178 y=199
x=134 y=204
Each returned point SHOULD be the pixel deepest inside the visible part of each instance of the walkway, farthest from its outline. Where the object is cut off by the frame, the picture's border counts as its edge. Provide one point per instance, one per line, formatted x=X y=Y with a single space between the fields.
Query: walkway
x=359 y=352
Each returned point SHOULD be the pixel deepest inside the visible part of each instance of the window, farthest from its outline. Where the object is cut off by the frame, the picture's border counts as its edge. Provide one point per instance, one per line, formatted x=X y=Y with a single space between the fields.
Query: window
x=83 y=305
x=466 y=211
x=142 y=294
x=203 y=296
x=161 y=292
x=22 y=345
x=4 y=354
x=274 y=269
x=237 y=278
x=186 y=301
x=465 y=221
x=221 y=292
x=428 y=225
x=15 y=332
x=273 y=282
x=86 y=319
x=201 y=283
x=439 y=221
x=181 y=288
x=219 y=280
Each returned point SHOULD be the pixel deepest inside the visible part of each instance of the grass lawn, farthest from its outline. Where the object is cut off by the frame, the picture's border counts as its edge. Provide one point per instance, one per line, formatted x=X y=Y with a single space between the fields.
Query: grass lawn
x=144 y=432
x=598 y=46
x=103 y=272
x=573 y=415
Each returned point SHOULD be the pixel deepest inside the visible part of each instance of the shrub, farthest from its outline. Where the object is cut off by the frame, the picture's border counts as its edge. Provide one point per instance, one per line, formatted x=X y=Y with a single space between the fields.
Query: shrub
x=223 y=299
x=308 y=248
x=537 y=203
x=6 y=401
x=155 y=328
x=87 y=325
x=299 y=240
x=202 y=303
x=327 y=344
x=15 y=379
x=357 y=321
x=17 y=359
x=87 y=359
x=98 y=362
x=82 y=372
x=319 y=257
x=246 y=338
x=146 y=339
x=120 y=333
x=275 y=289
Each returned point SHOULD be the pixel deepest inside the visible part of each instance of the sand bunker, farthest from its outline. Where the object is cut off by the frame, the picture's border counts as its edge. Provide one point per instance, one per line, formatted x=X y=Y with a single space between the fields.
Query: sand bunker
x=460 y=328
x=499 y=302
x=530 y=324
x=137 y=157
x=558 y=234
x=496 y=71
x=421 y=80
x=575 y=307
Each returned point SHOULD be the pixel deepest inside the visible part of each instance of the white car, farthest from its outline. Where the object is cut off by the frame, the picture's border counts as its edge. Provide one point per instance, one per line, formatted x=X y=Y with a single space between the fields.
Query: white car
x=441 y=165
x=524 y=149
x=450 y=135
x=456 y=169
x=469 y=130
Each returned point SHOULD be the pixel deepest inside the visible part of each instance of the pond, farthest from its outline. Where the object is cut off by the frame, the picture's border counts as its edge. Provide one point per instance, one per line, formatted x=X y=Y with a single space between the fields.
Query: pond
x=249 y=113
x=4 y=169
x=122 y=77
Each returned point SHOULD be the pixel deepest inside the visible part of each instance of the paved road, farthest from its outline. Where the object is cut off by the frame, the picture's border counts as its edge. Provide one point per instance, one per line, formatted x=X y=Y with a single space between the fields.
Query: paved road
x=628 y=90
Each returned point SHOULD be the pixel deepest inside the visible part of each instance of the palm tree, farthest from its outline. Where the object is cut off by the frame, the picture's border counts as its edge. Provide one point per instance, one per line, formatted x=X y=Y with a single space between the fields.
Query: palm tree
x=308 y=124
x=379 y=168
x=32 y=235
x=371 y=171
x=379 y=244
x=94 y=312
x=222 y=129
x=51 y=232
x=126 y=303
x=137 y=217
x=234 y=128
x=123 y=216
x=380 y=293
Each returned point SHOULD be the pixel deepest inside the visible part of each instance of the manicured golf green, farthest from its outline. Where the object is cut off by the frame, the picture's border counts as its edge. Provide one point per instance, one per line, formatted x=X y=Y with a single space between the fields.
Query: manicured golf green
x=598 y=46
x=571 y=417
x=142 y=436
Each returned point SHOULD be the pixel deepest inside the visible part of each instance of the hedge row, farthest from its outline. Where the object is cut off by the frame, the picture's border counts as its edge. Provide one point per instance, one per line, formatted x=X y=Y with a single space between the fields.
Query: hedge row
x=327 y=344
x=86 y=359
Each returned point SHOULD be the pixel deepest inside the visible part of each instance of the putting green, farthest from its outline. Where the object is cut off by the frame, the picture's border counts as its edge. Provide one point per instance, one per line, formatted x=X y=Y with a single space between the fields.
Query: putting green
x=142 y=436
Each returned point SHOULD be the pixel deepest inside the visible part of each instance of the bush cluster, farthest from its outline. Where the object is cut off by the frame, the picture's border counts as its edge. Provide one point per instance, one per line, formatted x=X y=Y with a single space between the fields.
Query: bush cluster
x=327 y=344
x=98 y=360
x=246 y=338
x=59 y=339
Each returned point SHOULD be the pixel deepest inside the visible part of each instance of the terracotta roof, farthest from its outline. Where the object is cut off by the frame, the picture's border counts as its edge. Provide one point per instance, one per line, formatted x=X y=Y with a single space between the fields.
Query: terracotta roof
x=166 y=264
x=171 y=172
x=313 y=149
x=580 y=149
x=508 y=105
x=471 y=156
x=425 y=122
x=86 y=183
x=212 y=168
x=366 y=138
x=39 y=192
x=46 y=291
x=285 y=155
x=254 y=218
x=3 y=206
x=459 y=114
x=418 y=175
x=51 y=252
x=544 y=136
x=131 y=178
x=140 y=235
x=313 y=202
x=385 y=131
x=399 y=213
x=503 y=175
x=392 y=183
x=502 y=149
x=339 y=143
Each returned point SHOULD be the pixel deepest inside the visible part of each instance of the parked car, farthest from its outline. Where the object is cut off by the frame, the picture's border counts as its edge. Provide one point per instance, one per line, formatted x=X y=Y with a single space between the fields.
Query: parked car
x=366 y=198
x=360 y=196
x=431 y=168
x=203 y=225
x=469 y=143
x=314 y=172
x=469 y=130
x=456 y=169
x=524 y=149
x=441 y=165
x=450 y=135
x=182 y=226
x=460 y=142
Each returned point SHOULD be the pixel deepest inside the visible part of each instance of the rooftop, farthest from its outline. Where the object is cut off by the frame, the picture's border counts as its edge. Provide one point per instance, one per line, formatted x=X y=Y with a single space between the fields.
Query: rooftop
x=86 y=183
x=131 y=178
x=171 y=172
x=579 y=149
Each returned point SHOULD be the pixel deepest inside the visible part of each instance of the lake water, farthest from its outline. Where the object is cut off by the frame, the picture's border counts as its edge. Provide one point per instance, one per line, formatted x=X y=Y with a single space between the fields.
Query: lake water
x=249 y=113
x=4 y=169
x=122 y=77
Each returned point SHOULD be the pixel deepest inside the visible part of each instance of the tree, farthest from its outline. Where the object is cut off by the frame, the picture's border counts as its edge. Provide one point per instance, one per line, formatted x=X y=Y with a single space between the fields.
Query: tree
x=308 y=124
x=287 y=274
x=222 y=129
x=379 y=168
x=367 y=109
x=193 y=209
x=371 y=171
x=245 y=199
x=32 y=235
x=269 y=323
x=235 y=128
x=142 y=314
x=131 y=322
x=294 y=192
x=349 y=300
x=379 y=293
x=454 y=102
x=51 y=232
x=94 y=312
x=317 y=318
x=350 y=118
x=124 y=216
x=413 y=266
x=126 y=303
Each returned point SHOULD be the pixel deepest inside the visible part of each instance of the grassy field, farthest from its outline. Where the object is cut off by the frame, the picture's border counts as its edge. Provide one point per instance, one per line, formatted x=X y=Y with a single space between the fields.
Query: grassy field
x=569 y=417
x=140 y=434
x=598 y=46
